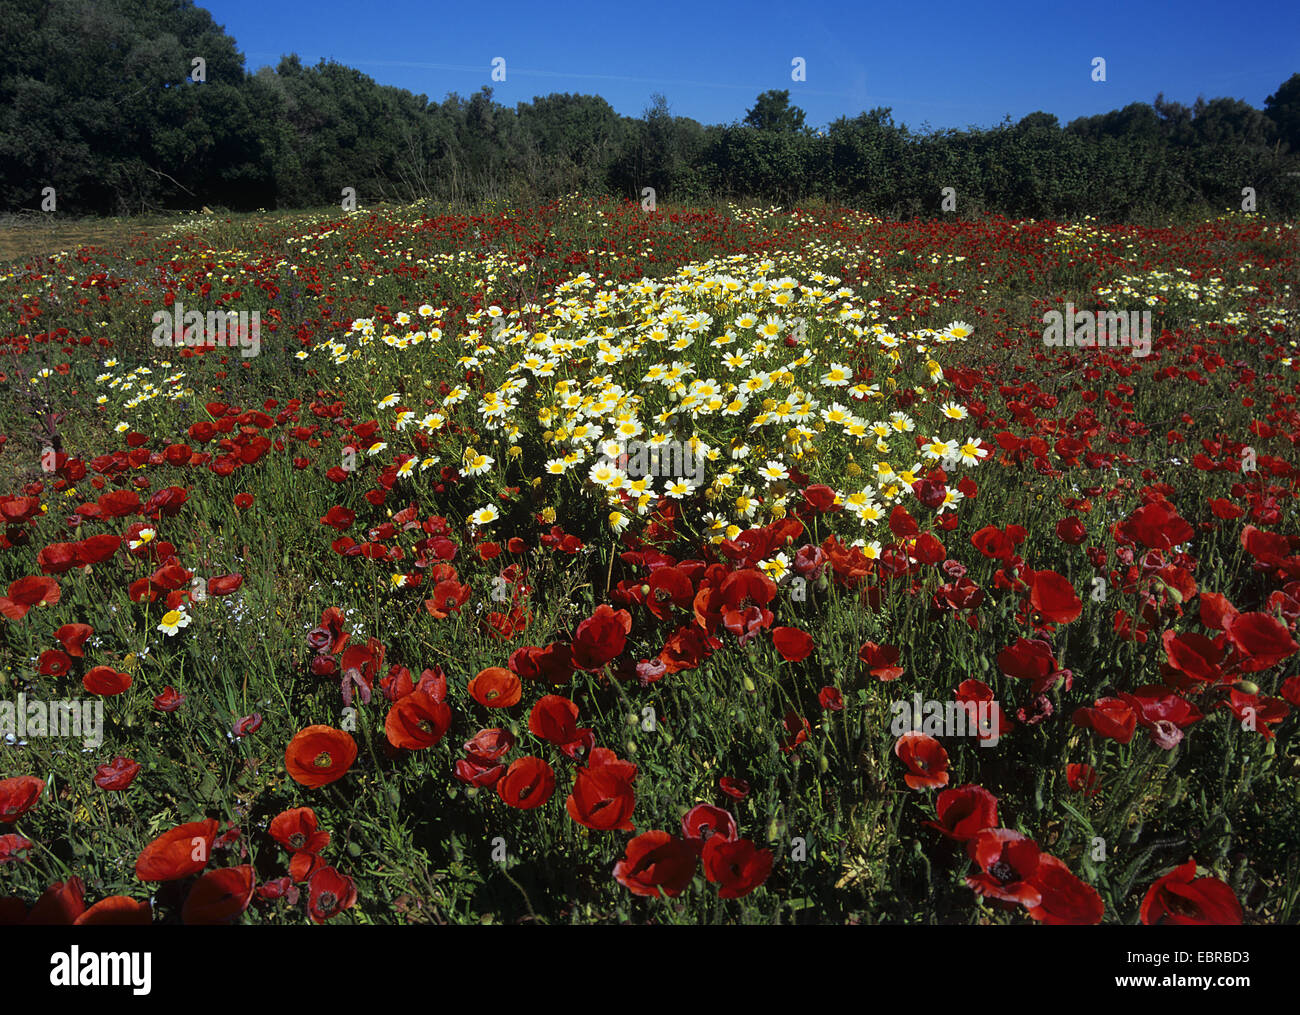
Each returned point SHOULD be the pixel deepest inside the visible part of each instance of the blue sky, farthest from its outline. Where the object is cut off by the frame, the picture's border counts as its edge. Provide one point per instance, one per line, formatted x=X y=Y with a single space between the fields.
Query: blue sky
x=944 y=64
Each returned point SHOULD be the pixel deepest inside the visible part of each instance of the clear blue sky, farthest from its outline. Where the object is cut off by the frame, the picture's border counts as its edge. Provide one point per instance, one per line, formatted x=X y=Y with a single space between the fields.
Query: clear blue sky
x=947 y=64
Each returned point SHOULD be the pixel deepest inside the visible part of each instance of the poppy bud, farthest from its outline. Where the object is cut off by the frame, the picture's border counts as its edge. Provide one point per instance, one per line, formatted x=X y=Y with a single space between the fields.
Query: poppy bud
x=1246 y=687
x=645 y=590
x=823 y=764
x=749 y=685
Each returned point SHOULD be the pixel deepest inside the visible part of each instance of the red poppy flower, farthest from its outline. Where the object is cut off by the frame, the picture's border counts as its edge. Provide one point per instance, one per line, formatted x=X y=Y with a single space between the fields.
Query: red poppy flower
x=554 y=719
x=1009 y=862
x=57 y=558
x=303 y=865
x=117 y=911
x=490 y=744
x=670 y=589
x=26 y=593
x=1155 y=703
x=974 y=692
x=1194 y=655
x=1225 y=509
x=1034 y=661
x=1053 y=599
x=685 y=649
x=796 y=731
x=177 y=853
x=478 y=771
x=219 y=896
x=448 y=597
x=1067 y=900
x=704 y=821
x=995 y=544
x=279 y=888
x=54 y=663
x=331 y=626
x=1180 y=897
x=880 y=661
x=925 y=758
x=1262 y=640
x=339 y=518
x=792 y=644
x=117 y=774
x=169 y=701
x=552 y=664
x=296 y=830
x=247 y=724
x=964 y=812
x=97 y=549
x=830 y=699
x=11 y=844
x=1156 y=526
x=72 y=637
x=319 y=755
x=529 y=782
x=1215 y=610
x=1110 y=717
x=416 y=722
x=106 y=681
x=736 y=864
x=746 y=587
x=603 y=797
x=59 y=905
x=496 y=687
x=1082 y=778
x=819 y=498
x=118 y=503
x=170 y=577
x=1071 y=531
x=224 y=584
x=737 y=789
x=902 y=524
x=655 y=862
x=601 y=637
x=1269 y=549
x=360 y=665
x=329 y=893
x=18 y=795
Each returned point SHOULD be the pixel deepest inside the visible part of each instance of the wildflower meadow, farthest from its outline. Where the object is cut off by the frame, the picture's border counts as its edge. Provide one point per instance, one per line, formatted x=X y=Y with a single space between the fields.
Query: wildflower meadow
x=581 y=564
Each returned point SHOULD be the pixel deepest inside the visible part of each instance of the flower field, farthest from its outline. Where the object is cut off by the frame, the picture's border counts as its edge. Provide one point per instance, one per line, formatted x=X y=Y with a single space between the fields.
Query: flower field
x=574 y=564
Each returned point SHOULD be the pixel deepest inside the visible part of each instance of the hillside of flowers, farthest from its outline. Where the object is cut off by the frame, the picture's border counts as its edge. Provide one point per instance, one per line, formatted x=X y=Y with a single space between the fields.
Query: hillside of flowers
x=575 y=564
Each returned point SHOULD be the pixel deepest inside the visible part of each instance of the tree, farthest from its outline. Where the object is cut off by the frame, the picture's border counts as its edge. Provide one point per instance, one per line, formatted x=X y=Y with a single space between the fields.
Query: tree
x=1283 y=108
x=772 y=111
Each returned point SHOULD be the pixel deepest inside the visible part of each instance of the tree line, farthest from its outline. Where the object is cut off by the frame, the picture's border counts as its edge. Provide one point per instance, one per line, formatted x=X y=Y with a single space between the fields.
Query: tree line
x=103 y=101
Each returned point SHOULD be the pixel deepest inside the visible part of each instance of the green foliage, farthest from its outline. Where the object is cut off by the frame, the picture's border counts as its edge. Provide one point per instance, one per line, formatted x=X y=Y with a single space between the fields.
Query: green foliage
x=96 y=100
